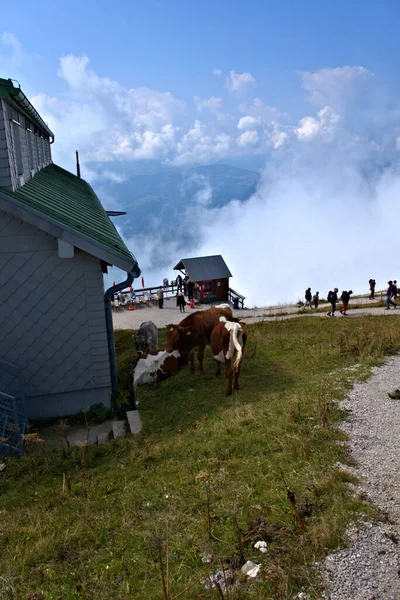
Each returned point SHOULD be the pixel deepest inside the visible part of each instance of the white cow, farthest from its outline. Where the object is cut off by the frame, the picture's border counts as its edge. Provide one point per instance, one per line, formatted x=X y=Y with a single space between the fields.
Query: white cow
x=155 y=365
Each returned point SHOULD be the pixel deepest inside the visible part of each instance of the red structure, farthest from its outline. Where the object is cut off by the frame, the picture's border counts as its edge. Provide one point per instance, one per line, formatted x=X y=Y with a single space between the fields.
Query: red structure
x=210 y=273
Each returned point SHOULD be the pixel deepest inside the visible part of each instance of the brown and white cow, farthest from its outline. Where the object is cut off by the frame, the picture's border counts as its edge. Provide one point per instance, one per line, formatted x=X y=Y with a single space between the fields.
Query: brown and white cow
x=157 y=364
x=227 y=344
x=194 y=333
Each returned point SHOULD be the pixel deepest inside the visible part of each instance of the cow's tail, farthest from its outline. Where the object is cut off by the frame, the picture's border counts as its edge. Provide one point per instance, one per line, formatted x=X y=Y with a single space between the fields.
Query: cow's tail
x=236 y=346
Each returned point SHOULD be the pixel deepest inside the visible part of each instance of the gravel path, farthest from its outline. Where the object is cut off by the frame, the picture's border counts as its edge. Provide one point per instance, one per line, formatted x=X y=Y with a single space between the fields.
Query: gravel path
x=369 y=568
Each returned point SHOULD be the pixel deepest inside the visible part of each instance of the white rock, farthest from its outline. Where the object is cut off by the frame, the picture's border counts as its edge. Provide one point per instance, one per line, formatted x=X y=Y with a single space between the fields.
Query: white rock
x=251 y=569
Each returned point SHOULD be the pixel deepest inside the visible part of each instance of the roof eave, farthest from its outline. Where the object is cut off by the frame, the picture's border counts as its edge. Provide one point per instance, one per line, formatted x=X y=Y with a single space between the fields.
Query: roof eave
x=27 y=107
x=48 y=225
x=179 y=266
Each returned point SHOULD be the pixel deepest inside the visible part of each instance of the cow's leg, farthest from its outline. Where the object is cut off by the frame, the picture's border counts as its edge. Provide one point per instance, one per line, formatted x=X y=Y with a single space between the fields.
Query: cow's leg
x=228 y=372
x=236 y=379
x=191 y=361
x=200 y=356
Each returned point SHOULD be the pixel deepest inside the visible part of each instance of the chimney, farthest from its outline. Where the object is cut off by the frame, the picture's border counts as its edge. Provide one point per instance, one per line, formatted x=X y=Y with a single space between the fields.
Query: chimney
x=78 y=166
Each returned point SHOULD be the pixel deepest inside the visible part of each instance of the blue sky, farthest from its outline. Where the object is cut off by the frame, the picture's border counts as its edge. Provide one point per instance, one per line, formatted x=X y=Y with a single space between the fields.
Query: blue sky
x=174 y=45
x=309 y=89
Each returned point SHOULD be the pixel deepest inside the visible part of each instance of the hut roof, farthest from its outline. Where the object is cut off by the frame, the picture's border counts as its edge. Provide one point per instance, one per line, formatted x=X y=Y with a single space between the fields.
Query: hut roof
x=204 y=267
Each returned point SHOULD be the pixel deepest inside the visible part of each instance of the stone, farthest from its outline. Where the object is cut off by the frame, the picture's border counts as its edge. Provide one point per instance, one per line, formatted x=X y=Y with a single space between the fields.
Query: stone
x=251 y=569
x=119 y=429
x=103 y=437
x=135 y=423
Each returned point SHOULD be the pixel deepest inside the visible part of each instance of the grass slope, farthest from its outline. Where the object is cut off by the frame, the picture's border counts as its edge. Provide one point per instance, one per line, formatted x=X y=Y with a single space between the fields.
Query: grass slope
x=208 y=474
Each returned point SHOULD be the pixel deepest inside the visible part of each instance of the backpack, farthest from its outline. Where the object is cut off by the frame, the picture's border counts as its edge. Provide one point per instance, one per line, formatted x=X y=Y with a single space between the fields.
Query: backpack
x=330 y=296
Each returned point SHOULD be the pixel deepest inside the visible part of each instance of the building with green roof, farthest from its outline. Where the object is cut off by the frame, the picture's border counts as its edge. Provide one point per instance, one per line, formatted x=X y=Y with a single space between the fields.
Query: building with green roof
x=56 y=241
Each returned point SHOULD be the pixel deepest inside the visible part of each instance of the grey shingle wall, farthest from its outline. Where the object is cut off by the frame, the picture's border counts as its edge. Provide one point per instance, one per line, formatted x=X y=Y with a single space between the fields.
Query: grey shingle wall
x=52 y=320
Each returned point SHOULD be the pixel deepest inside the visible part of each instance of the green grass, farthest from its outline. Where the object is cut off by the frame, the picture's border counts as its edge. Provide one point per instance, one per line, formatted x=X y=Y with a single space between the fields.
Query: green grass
x=203 y=468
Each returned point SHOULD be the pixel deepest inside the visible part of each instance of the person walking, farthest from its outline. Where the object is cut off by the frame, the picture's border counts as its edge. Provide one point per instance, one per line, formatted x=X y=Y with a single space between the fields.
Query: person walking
x=316 y=299
x=332 y=299
x=372 y=284
x=180 y=301
x=160 y=296
x=190 y=286
x=345 y=298
x=179 y=283
x=395 y=291
x=389 y=295
x=308 y=297
x=165 y=286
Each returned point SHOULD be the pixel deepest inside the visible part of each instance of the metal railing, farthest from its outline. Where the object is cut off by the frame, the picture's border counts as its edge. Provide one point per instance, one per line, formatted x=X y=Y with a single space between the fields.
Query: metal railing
x=235 y=298
x=13 y=416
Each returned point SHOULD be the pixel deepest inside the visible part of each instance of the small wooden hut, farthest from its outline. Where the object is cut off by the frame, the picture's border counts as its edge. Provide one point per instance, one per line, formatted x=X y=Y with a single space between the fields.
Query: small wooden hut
x=210 y=273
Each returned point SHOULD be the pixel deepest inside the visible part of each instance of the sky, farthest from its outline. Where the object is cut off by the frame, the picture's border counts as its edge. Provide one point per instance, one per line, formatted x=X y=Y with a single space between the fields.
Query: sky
x=308 y=90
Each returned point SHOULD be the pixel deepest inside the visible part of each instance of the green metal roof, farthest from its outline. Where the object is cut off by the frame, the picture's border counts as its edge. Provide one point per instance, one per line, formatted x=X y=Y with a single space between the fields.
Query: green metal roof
x=69 y=202
x=17 y=98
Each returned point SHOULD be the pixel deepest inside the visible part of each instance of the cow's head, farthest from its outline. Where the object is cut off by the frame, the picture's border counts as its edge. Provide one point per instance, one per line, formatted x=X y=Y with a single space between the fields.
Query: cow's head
x=178 y=337
x=140 y=343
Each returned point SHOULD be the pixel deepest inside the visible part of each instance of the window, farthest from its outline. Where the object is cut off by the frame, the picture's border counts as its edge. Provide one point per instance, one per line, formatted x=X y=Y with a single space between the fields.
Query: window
x=17 y=148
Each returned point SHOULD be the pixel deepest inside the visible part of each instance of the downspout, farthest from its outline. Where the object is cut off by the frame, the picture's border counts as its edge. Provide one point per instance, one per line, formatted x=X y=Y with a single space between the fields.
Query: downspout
x=109 y=324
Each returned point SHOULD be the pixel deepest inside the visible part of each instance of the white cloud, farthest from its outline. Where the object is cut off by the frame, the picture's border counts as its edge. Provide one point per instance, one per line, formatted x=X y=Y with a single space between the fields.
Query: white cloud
x=9 y=40
x=277 y=136
x=14 y=62
x=200 y=145
x=325 y=125
x=258 y=109
x=248 y=138
x=213 y=104
x=237 y=82
x=332 y=86
x=248 y=123
x=217 y=72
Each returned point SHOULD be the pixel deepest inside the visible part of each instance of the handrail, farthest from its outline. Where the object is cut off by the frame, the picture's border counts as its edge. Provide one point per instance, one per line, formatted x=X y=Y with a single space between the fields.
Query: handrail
x=235 y=298
x=237 y=294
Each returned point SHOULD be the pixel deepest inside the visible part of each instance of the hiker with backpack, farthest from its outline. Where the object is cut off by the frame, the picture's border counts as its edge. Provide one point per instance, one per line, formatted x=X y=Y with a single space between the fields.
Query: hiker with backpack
x=389 y=295
x=308 y=297
x=332 y=299
x=316 y=299
x=345 y=298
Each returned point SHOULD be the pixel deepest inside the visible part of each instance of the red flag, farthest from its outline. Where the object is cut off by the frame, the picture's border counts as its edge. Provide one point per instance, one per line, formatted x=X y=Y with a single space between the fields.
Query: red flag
x=142 y=282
